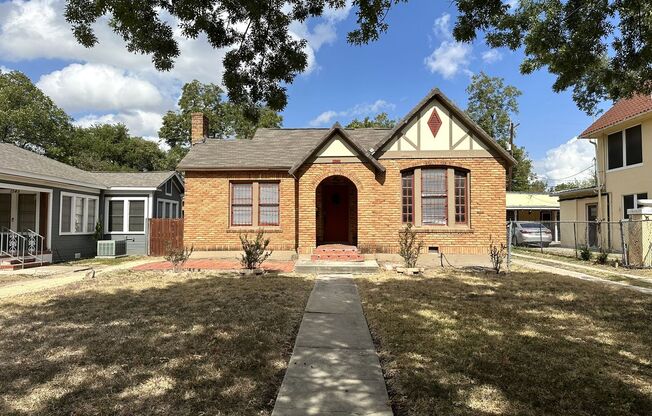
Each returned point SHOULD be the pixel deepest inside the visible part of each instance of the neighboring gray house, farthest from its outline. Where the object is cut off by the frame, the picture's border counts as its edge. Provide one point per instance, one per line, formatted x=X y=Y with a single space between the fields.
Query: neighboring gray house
x=50 y=204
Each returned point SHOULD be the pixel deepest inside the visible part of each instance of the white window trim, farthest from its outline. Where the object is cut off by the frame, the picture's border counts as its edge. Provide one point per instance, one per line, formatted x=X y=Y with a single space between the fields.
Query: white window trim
x=622 y=202
x=125 y=215
x=174 y=206
x=165 y=188
x=623 y=137
x=73 y=207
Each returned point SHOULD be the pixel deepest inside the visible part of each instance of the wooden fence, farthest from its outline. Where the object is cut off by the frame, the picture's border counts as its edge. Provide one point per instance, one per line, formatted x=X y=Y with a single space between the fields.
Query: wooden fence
x=164 y=233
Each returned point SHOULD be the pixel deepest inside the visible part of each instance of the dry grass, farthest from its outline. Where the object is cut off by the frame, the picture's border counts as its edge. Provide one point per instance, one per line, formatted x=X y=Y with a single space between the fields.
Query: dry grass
x=473 y=343
x=150 y=343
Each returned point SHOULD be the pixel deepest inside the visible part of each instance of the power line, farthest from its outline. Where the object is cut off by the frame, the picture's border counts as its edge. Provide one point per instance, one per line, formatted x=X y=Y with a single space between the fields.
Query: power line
x=570 y=176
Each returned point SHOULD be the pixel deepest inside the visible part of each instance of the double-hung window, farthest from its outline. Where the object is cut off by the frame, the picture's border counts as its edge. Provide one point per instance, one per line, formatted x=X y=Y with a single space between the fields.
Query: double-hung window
x=126 y=215
x=255 y=204
x=625 y=148
x=435 y=196
x=167 y=209
x=78 y=213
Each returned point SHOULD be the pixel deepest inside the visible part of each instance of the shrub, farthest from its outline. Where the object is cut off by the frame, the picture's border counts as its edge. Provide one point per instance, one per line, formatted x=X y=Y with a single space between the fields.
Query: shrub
x=177 y=256
x=410 y=246
x=585 y=253
x=497 y=254
x=255 y=250
x=602 y=257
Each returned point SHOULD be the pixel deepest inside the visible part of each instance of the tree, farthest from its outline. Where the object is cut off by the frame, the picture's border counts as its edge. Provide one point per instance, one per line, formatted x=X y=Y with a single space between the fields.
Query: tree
x=225 y=119
x=106 y=147
x=492 y=105
x=574 y=184
x=600 y=49
x=29 y=118
x=381 y=120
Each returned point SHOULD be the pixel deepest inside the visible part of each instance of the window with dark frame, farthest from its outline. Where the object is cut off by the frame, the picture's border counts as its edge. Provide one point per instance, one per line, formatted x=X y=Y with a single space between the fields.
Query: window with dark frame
x=407 y=182
x=625 y=148
x=615 y=150
x=434 y=204
x=168 y=187
x=460 y=197
x=268 y=203
x=241 y=204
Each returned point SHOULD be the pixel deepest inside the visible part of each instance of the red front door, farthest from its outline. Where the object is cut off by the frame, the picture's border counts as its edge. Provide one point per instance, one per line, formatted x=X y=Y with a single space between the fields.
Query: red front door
x=336 y=214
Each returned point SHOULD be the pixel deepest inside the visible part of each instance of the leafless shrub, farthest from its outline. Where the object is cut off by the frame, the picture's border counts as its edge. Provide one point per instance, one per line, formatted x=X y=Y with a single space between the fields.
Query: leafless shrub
x=497 y=254
x=177 y=256
x=410 y=246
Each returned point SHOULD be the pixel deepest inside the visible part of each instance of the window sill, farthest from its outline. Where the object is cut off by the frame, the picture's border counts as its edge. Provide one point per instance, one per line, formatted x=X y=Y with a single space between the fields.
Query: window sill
x=63 y=233
x=625 y=167
x=251 y=229
x=432 y=229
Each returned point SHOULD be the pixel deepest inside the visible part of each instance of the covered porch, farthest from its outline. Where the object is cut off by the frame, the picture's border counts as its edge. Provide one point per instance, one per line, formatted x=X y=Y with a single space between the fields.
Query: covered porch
x=25 y=225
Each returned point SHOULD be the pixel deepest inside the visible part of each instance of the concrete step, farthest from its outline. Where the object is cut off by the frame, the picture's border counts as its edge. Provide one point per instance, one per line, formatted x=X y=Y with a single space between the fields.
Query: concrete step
x=328 y=267
x=17 y=266
x=336 y=252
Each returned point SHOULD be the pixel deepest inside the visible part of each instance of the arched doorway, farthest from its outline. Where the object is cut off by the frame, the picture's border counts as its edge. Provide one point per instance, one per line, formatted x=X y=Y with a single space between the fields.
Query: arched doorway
x=337 y=211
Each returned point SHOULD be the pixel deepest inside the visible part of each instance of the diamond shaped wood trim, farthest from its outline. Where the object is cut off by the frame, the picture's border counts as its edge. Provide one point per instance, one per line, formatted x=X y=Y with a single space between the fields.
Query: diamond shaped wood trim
x=434 y=122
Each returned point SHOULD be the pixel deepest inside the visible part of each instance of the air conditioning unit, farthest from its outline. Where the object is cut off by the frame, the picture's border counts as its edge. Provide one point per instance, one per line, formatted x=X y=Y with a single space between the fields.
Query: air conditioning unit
x=110 y=249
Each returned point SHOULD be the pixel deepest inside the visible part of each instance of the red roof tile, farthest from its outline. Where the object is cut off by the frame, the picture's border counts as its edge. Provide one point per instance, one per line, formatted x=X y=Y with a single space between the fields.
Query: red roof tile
x=621 y=111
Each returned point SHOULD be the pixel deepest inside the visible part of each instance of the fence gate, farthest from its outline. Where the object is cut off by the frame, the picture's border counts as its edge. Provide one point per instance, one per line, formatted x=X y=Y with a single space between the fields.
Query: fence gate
x=164 y=233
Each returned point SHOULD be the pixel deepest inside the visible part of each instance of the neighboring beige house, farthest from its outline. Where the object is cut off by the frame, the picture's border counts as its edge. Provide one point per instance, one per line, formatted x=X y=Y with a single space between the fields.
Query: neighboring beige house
x=624 y=163
x=536 y=207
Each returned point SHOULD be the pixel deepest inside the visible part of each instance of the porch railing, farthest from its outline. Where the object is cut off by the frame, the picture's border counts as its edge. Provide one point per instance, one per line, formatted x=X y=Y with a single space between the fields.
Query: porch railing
x=21 y=248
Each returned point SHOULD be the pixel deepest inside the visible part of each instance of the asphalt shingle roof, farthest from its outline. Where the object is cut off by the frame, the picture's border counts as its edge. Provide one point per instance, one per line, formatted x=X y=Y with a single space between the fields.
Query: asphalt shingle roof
x=24 y=161
x=268 y=149
x=621 y=111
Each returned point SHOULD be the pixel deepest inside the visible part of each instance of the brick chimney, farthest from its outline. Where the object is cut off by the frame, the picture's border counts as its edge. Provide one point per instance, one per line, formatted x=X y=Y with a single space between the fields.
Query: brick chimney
x=199 y=128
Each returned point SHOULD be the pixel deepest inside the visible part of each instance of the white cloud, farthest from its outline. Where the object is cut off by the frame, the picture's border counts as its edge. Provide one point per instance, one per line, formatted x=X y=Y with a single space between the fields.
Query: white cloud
x=565 y=162
x=4 y=69
x=442 y=27
x=449 y=59
x=140 y=123
x=99 y=87
x=359 y=110
x=491 y=56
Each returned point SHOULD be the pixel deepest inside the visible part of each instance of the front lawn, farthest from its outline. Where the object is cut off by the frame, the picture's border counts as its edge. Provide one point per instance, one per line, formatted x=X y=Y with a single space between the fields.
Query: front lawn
x=136 y=343
x=528 y=343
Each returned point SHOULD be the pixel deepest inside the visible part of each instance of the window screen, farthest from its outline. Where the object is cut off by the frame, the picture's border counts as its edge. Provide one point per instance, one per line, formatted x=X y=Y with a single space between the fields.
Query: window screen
x=92 y=214
x=66 y=213
x=269 y=204
x=408 y=197
x=633 y=145
x=241 y=203
x=460 y=197
x=79 y=214
x=116 y=216
x=433 y=196
x=136 y=216
x=615 y=149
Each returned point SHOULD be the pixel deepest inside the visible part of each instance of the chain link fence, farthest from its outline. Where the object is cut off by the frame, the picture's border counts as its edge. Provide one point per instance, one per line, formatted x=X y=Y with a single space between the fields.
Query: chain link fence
x=627 y=241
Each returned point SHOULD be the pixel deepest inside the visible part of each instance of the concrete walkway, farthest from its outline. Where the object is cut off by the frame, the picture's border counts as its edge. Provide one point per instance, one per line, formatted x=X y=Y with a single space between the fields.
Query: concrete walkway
x=66 y=276
x=578 y=275
x=334 y=368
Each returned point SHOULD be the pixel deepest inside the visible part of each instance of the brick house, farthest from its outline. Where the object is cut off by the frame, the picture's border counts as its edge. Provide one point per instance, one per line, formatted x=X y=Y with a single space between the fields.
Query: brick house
x=436 y=169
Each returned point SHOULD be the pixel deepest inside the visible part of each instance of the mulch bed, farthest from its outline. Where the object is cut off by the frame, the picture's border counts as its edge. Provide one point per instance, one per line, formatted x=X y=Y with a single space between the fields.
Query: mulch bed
x=211 y=264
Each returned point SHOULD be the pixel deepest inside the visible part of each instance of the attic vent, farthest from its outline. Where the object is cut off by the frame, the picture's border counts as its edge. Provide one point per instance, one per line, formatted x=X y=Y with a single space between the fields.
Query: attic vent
x=433 y=249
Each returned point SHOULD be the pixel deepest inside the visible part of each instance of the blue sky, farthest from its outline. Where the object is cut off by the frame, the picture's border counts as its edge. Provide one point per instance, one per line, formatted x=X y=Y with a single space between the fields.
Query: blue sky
x=107 y=84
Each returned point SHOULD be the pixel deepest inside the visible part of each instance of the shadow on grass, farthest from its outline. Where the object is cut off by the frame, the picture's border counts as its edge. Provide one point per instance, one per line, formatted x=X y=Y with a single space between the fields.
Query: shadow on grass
x=142 y=344
x=462 y=343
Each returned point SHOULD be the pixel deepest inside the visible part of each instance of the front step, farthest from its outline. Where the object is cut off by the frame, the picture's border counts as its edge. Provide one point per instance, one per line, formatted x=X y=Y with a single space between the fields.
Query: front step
x=328 y=267
x=18 y=266
x=336 y=252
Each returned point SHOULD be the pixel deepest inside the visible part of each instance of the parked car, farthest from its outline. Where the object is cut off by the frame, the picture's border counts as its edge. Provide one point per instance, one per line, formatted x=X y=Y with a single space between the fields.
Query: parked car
x=531 y=234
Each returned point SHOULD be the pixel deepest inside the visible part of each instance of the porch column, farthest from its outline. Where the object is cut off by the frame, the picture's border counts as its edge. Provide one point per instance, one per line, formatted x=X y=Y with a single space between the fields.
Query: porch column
x=639 y=232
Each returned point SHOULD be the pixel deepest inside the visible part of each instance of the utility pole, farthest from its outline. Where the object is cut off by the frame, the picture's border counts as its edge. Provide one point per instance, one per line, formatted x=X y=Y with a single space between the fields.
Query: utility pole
x=511 y=152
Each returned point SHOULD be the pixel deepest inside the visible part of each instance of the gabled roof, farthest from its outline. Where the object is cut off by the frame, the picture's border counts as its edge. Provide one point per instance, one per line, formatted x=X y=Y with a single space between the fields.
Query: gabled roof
x=269 y=149
x=17 y=161
x=623 y=110
x=338 y=130
x=459 y=114
x=133 y=179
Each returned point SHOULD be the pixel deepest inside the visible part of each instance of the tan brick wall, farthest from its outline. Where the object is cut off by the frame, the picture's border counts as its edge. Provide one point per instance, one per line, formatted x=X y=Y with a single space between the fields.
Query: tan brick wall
x=379 y=207
x=207 y=216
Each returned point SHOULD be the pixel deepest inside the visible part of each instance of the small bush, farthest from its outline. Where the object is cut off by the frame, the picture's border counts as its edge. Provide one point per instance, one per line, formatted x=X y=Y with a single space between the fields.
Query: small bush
x=497 y=254
x=410 y=246
x=177 y=256
x=602 y=257
x=255 y=250
x=585 y=253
